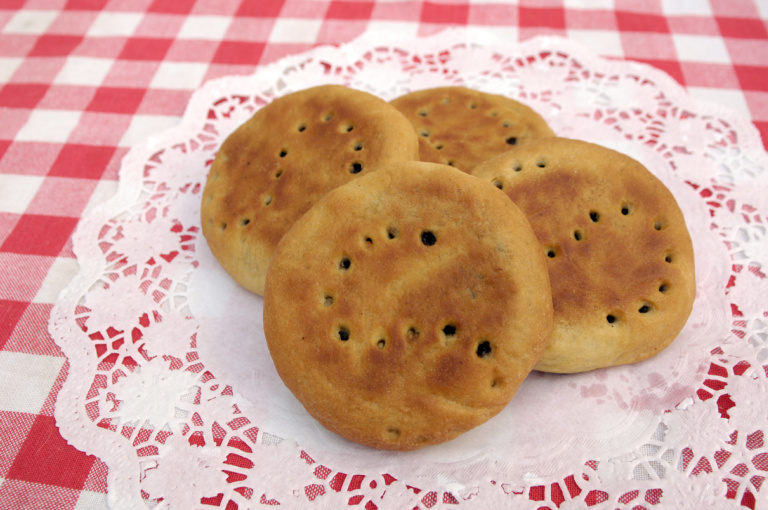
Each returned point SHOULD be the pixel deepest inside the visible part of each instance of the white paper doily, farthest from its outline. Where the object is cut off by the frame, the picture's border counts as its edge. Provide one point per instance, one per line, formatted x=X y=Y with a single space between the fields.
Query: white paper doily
x=172 y=386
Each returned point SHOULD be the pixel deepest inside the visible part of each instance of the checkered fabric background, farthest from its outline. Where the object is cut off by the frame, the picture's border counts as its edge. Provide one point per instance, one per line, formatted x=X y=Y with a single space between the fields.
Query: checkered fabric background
x=81 y=81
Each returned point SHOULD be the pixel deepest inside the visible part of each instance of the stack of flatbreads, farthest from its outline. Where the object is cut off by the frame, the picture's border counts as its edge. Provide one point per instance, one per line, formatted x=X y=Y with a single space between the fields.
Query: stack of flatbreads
x=419 y=258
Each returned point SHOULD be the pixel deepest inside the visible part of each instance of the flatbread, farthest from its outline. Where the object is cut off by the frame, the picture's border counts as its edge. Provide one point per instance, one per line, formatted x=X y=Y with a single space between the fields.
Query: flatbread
x=462 y=127
x=275 y=166
x=619 y=253
x=407 y=306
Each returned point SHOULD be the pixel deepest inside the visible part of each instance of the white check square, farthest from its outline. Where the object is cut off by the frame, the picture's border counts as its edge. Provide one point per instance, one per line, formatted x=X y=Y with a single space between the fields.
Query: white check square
x=686 y=7
x=212 y=28
x=294 y=30
x=83 y=71
x=104 y=190
x=17 y=191
x=593 y=5
x=604 y=42
x=26 y=380
x=405 y=28
x=143 y=127
x=59 y=275
x=49 y=126
x=179 y=75
x=733 y=99
x=701 y=48
x=88 y=500
x=29 y=21
x=111 y=24
x=8 y=66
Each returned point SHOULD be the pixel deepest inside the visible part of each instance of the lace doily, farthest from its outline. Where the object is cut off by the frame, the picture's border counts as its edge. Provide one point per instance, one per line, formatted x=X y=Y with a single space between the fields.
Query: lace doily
x=171 y=384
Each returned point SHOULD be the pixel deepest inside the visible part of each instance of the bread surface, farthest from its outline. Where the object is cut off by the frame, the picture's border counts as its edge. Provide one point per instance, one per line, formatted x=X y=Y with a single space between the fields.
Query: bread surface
x=462 y=127
x=276 y=165
x=619 y=254
x=407 y=306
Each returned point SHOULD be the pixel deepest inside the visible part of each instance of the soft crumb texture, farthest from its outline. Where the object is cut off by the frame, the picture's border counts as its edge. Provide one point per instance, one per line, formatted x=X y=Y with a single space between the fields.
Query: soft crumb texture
x=275 y=166
x=619 y=253
x=407 y=306
x=462 y=127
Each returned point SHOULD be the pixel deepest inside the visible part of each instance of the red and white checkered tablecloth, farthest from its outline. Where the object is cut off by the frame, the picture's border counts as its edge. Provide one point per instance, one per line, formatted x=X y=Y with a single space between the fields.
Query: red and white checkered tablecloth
x=81 y=81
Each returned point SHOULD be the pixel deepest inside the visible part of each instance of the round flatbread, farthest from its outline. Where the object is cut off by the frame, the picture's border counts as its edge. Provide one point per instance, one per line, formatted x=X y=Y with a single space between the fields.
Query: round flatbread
x=407 y=306
x=619 y=253
x=275 y=166
x=462 y=127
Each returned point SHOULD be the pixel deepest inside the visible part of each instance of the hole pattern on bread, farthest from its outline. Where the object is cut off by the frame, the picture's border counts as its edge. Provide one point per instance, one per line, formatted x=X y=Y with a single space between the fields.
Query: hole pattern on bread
x=462 y=127
x=292 y=151
x=616 y=243
x=411 y=318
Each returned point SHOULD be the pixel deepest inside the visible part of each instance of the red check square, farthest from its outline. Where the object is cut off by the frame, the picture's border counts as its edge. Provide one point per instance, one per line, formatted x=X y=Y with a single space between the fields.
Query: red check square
x=549 y=17
x=145 y=48
x=172 y=6
x=22 y=95
x=340 y=9
x=10 y=314
x=234 y=52
x=672 y=68
x=444 y=13
x=740 y=28
x=12 y=5
x=752 y=77
x=85 y=5
x=763 y=128
x=260 y=9
x=55 y=45
x=637 y=22
x=39 y=235
x=116 y=100
x=46 y=458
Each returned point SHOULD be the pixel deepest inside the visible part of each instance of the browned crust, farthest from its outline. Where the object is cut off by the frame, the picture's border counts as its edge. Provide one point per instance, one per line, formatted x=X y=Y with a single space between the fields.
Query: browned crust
x=275 y=166
x=462 y=127
x=485 y=275
x=636 y=267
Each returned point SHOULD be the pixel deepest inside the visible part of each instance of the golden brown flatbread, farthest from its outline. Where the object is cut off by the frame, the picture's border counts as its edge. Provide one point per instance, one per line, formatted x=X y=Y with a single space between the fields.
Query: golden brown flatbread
x=462 y=127
x=275 y=166
x=407 y=306
x=619 y=253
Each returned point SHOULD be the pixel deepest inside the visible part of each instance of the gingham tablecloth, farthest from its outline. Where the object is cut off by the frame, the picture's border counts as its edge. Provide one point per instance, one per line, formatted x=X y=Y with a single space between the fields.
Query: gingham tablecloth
x=81 y=81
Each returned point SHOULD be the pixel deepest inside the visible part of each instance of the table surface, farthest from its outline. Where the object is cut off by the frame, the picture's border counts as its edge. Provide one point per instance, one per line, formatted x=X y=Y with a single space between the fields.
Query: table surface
x=81 y=81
